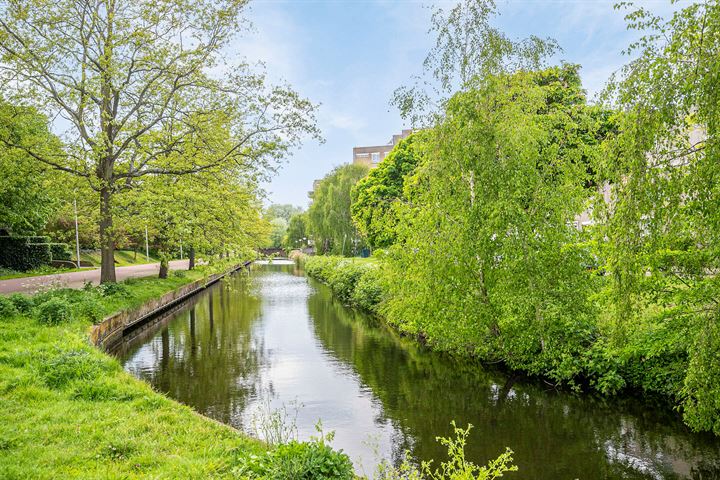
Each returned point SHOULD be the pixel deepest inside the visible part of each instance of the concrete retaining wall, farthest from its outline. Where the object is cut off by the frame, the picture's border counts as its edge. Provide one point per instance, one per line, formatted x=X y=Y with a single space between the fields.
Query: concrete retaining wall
x=108 y=333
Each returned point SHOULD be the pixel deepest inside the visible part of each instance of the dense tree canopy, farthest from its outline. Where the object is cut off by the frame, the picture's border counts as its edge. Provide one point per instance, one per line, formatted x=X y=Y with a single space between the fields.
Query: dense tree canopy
x=661 y=229
x=489 y=258
x=375 y=196
x=132 y=81
x=28 y=189
x=329 y=222
x=297 y=232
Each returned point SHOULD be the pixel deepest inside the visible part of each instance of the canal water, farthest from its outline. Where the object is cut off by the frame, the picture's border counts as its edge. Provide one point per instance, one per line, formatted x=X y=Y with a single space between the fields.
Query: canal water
x=274 y=338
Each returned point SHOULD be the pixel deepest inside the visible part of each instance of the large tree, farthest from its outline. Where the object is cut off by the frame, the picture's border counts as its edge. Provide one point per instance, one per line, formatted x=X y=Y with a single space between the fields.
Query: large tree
x=661 y=229
x=141 y=87
x=376 y=197
x=329 y=220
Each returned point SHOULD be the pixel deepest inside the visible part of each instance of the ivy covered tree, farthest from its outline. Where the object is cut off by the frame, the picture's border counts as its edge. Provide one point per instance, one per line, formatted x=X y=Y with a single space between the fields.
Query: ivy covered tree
x=376 y=196
x=329 y=222
x=145 y=88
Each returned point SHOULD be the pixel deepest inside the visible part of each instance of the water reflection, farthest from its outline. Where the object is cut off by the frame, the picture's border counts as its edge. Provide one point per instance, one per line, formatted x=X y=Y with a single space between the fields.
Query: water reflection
x=278 y=337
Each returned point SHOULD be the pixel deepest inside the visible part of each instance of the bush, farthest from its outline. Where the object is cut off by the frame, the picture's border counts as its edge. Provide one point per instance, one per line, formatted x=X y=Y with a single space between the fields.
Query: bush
x=24 y=253
x=112 y=289
x=369 y=290
x=54 y=311
x=344 y=278
x=91 y=309
x=23 y=303
x=60 y=251
x=356 y=283
x=300 y=461
x=179 y=273
x=7 y=307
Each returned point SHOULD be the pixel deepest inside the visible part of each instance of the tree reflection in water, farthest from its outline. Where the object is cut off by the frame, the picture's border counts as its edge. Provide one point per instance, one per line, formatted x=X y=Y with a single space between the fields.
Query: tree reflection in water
x=277 y=336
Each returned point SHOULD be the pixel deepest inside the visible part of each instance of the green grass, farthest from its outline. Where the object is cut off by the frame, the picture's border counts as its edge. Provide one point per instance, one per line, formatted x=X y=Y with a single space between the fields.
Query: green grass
x=69 y=410
x=123 y=258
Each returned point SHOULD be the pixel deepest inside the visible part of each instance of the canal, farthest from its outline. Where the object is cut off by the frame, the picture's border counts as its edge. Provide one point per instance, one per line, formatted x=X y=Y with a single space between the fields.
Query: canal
x=273 y=337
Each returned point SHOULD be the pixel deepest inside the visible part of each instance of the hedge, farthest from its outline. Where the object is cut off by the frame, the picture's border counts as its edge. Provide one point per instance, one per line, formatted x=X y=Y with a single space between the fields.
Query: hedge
x=22 y=254
x=60 y=251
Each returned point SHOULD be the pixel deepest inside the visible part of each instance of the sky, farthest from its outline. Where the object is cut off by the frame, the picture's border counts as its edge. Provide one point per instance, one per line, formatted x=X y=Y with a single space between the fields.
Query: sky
x=350 y=55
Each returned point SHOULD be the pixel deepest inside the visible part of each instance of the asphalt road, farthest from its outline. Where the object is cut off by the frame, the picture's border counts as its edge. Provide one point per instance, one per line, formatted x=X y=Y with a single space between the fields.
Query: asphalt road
x=78 y=279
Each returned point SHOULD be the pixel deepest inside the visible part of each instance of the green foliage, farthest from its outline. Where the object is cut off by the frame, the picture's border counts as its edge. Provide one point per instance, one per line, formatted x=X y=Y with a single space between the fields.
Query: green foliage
x=60 y=251
x=489 y=261
x=328 y=218
x=278 y=229
x=54 y=311
x=314 y=460
x=355 y=281
x=374 y=197
x=23 y=253
x=111 y=289
x=28 y=189
x=7 y=307
x=61 y=367
x=297 y=232
x=90 y=308
x=22 y=303
x=660 y=234
x=457 y=467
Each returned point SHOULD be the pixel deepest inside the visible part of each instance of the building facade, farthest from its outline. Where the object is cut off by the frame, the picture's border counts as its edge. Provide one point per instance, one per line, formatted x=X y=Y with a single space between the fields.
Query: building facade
x=371 y=156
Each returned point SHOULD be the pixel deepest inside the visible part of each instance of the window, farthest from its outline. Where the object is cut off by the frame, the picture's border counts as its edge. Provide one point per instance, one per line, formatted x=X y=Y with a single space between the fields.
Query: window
x=376 y=157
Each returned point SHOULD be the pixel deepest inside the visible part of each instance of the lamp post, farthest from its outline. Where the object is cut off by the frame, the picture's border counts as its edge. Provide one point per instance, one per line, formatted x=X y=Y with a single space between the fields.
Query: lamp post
x=147 y=246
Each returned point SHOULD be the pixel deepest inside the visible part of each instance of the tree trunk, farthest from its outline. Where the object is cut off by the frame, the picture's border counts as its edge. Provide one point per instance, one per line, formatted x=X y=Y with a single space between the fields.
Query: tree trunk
x=107 y=240
x=191 y=258
x=164 y=267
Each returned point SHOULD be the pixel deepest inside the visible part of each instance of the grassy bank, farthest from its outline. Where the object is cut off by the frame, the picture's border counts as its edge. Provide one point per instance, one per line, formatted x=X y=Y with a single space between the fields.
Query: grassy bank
x=123 y=258
x=70 y=411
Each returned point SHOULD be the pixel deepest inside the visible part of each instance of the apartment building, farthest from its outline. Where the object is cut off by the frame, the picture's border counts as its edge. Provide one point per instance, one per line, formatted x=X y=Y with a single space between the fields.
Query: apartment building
x=373 y=155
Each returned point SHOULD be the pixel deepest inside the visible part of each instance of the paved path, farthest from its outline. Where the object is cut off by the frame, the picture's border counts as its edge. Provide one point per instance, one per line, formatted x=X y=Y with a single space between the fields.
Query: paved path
x=78 y=279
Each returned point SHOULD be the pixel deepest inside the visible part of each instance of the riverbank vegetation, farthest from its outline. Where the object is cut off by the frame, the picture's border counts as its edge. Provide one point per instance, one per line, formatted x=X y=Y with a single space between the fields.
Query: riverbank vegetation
x=576 y=242
x=70 y=410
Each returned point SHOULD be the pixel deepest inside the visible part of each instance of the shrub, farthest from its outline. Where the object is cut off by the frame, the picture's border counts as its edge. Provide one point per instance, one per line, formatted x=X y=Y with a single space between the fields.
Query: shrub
x=91 y=309
x=344 y=278
x=300 y=461
x=369 y=290
x=456 y=468
x=23 y=303
x=179 y=273
x=112 y=289
x=54 y=311
x=60 y=251
x=24 y=253
x=7 y=307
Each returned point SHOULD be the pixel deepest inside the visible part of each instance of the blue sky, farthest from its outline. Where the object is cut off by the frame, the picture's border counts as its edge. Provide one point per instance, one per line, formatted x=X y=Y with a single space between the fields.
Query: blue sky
x=349 y=55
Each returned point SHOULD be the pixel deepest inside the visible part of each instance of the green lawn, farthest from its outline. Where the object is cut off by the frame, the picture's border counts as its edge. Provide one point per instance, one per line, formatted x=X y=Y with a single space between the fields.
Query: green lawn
x=69 y=410
x=123 y=258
